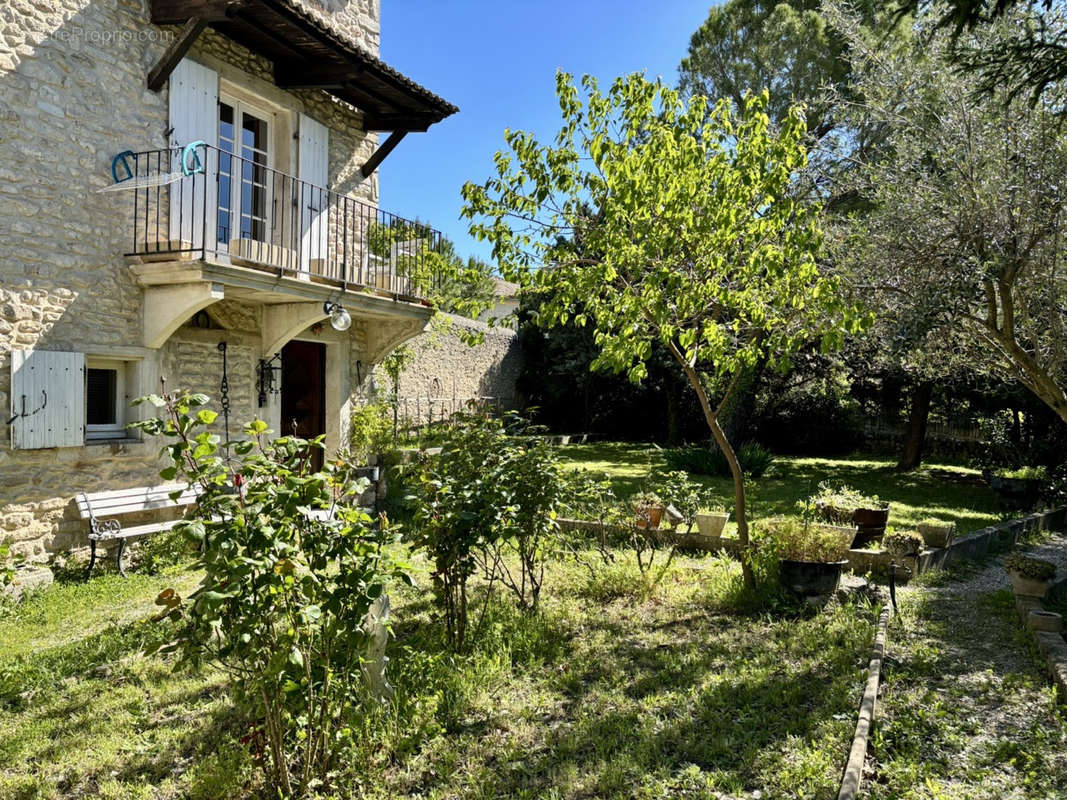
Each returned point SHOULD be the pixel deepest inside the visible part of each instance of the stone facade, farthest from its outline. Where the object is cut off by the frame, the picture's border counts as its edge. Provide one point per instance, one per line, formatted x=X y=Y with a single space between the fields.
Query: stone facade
x=72 y=95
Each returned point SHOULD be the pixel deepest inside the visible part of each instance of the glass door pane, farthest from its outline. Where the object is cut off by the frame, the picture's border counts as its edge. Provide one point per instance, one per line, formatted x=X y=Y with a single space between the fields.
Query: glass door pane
x=226 y=149
x=254 y=163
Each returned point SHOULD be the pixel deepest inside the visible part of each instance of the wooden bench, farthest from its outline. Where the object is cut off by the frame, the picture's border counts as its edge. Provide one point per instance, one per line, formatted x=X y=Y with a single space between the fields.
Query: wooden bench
x=101 y=508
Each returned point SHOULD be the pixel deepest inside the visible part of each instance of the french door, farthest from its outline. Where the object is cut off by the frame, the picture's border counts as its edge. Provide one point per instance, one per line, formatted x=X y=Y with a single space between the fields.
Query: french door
x=245 y=177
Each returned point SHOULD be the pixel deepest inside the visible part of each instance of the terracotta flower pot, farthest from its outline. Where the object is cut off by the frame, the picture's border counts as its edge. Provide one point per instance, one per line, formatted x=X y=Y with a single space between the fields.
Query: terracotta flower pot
x=1048 y=621
x=711 y=525
x=648 y=517
x=937 y=535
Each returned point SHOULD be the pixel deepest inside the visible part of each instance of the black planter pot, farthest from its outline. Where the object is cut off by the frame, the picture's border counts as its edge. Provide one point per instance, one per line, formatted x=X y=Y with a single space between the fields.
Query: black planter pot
x=1020 y=494
x=809 y=578
x=871 y=517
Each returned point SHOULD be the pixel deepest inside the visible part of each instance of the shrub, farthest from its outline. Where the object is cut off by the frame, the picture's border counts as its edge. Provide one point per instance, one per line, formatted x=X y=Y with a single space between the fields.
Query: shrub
x=1024 y=473
x=797 y=540
x=283 y=605
x=753 y=457
x=487 y=496
x=370 y=430
x=838 y=504
x=155 y=553
x=1034 y=568
x=902 y=543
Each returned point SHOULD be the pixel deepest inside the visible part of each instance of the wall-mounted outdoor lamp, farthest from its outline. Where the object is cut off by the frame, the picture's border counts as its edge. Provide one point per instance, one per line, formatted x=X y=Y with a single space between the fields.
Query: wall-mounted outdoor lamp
x=340 y=319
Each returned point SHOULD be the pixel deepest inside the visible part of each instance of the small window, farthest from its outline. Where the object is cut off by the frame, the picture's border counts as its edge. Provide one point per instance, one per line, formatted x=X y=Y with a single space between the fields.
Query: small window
x=105 y=399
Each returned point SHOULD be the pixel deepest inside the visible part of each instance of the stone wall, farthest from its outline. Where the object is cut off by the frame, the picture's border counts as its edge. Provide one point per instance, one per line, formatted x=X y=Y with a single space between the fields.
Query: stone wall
x=447 y=368
x=72 y=95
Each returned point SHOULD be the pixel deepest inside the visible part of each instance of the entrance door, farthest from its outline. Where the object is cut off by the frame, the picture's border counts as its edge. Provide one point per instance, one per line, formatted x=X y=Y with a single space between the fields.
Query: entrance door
x=304 y=392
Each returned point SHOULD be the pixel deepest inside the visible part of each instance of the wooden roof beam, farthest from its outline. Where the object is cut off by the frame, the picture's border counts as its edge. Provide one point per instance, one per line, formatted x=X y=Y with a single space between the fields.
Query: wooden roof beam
x=315 y=76
x=177 y=12
x=410 y=122
x=384 y=149
x=175 y=52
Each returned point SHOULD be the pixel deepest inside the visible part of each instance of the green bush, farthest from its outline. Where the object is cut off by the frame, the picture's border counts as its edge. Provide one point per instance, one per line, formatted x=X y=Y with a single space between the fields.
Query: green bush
x=155 y=553
x=753 y=457
x=1024 y=473
x=797 y=540
x=370 y=430
x=283 y=605
x=837 y=504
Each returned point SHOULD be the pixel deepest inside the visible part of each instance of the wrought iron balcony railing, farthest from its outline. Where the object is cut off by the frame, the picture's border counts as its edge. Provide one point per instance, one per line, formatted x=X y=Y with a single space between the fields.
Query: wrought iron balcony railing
x=236 y=210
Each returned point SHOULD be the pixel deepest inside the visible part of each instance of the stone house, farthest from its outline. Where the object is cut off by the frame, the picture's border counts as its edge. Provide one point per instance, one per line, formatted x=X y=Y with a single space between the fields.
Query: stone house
x=188 y=191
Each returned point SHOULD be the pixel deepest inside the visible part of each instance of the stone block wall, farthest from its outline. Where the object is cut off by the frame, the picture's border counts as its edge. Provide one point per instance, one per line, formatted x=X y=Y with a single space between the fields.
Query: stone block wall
x=72 y=95
x=446 y=367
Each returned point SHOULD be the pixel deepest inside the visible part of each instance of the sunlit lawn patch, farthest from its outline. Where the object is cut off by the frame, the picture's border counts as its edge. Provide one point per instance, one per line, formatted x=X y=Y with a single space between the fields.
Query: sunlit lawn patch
x=913 y=496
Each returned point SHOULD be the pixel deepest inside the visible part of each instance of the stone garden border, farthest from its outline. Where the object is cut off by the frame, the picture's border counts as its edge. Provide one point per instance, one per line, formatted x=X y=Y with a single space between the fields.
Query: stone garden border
x=972 y=546
x=850 y=780
x=1052 y=646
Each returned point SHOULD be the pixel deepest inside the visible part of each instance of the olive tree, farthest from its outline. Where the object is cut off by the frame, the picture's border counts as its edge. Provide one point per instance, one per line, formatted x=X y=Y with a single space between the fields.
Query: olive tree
x=963 y=242
x=691 y=236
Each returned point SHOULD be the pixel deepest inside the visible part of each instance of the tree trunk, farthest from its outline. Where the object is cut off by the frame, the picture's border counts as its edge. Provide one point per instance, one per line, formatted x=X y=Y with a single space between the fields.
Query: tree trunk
x=740 y=511
x=918 y=415
x=674 y=414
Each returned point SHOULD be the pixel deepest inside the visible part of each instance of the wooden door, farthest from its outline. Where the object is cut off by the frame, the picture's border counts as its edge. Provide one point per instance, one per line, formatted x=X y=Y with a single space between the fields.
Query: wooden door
x=304 y=392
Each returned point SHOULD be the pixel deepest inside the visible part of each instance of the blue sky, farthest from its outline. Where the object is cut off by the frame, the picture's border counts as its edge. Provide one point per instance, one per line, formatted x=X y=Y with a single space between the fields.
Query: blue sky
x=497 y=60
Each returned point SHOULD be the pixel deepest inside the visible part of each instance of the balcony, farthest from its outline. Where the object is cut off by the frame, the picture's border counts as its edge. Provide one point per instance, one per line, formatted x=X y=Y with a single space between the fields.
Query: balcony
x=231 y=211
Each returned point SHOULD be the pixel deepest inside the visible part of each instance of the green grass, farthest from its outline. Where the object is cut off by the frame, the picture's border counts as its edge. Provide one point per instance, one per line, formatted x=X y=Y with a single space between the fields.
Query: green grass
x=966 y=711
x=84 y=714
x=611 y=692
x=913 y=496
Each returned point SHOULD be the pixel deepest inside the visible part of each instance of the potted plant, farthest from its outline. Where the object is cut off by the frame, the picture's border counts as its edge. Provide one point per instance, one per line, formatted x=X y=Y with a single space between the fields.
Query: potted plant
x=648 y=509
x=1018 y=488
x=902 y=544
x=1030 y=577
x=711 y=521
x=844 y=505
x=810 y=556
x=936 y=532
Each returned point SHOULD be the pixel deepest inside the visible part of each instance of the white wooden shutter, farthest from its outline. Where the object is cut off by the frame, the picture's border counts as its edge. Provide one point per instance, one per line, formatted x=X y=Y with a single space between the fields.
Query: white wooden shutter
x=47 y=399
x=194 y=116
x=313 y=205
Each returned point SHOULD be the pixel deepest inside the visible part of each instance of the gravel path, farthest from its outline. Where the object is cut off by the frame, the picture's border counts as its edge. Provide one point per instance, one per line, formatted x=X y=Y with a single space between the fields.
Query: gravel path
x=966 y=710
x=990 y=576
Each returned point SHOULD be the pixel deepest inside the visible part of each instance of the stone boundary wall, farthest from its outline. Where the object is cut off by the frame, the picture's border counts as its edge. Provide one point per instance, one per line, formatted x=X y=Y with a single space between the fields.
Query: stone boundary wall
x=449 y=371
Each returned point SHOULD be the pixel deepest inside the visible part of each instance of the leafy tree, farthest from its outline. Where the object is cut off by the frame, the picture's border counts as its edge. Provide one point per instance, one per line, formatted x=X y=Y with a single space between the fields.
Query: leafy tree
x=698 y=242
x=787 y=47
x=453 y=285
x=963 y=245
x=1028 y=57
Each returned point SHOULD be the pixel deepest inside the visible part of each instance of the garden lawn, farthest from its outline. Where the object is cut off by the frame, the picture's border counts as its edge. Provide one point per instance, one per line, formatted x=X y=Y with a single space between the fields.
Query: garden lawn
x=941 y=491
x=614 y=691
x=83 y=714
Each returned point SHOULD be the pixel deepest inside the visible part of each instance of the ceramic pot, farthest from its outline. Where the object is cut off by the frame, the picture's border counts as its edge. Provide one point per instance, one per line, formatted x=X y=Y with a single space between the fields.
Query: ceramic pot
x=711 y=525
